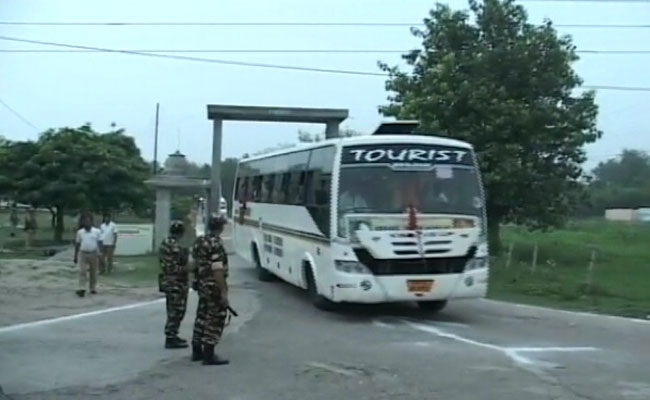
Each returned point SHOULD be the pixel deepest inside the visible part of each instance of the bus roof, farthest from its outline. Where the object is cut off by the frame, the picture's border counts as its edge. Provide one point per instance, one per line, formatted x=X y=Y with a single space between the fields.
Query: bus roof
x=366 y=139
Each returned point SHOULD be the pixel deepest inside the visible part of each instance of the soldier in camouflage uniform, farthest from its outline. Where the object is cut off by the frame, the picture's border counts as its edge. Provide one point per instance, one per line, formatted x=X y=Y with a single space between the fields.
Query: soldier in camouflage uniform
x=174 y=282
x=211 y=273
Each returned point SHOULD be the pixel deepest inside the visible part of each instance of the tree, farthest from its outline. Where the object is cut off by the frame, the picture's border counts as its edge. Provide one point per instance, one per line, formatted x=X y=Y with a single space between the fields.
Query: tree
x=506 y=86
x=12 y=156
x=277 y=147
x=632 y=169
x=308 y=137
x=622 y=182
x=70 y=169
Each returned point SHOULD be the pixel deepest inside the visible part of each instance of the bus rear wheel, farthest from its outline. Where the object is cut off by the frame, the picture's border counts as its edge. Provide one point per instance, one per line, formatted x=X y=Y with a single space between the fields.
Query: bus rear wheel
x=262 y=274
x=432 y=306
x=319 y=301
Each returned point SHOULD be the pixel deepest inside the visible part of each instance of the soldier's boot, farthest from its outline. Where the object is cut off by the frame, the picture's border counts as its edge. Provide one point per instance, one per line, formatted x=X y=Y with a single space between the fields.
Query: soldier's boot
x=175 y=343
x=180 y=339
x=197 y=352
x=209 y=358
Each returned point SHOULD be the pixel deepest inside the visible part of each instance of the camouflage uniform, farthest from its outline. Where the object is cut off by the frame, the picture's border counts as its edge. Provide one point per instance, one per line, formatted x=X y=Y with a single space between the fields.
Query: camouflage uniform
x=209 y=255
x=174 y=282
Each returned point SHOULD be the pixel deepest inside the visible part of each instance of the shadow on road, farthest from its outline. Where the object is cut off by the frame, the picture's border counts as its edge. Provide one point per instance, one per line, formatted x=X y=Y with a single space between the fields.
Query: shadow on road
x=353 y=313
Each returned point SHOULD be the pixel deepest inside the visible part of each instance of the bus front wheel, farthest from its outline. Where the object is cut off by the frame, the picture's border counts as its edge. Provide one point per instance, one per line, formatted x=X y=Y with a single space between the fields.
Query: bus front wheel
x=262 y=274
x=432 y=306
x=317 y=300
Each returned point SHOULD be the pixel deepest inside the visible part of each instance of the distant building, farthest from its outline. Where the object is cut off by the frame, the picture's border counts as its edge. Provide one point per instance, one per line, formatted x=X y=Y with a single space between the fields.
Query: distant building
x=641 y=214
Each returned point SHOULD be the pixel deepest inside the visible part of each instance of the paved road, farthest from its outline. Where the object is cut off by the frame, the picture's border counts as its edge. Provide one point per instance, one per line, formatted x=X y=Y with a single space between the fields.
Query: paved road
x=283 y=349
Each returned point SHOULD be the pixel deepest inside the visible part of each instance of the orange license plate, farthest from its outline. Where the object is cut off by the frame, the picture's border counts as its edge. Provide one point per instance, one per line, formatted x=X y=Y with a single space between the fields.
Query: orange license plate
x=419 y=286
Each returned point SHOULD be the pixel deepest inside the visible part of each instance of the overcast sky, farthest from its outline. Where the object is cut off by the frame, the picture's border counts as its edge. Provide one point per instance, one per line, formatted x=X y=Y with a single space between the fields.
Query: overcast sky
x=68 y=89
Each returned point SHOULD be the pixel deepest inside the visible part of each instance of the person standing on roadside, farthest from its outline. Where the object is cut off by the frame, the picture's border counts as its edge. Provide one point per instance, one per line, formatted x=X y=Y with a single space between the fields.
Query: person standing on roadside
x=30 y=227
x=86 y=255
x=13 y=218
x=174 y=282
x=109 y=240
x=212 y=273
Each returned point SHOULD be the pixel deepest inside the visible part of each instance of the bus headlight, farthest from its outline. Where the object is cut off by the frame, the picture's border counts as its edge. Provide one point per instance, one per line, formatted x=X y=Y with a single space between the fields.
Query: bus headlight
x=351 y=267
x=477 y=263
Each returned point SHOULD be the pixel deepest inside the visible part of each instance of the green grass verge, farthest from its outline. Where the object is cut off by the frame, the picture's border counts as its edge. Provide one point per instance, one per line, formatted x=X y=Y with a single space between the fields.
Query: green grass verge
x=12 y=240
x=619 y=282
x=136 y=270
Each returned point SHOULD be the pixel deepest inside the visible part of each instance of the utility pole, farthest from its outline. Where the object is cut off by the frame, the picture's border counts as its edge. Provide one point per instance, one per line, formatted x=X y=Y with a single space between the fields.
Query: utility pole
x=155 y=142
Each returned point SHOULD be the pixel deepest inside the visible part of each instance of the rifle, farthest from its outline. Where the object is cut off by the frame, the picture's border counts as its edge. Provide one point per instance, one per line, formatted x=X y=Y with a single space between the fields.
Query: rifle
x=232 y=311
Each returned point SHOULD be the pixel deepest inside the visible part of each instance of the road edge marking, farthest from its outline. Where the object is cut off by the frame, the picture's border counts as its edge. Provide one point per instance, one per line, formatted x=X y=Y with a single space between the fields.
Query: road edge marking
x=24 y=325
x=514 y=353
x=569 y=312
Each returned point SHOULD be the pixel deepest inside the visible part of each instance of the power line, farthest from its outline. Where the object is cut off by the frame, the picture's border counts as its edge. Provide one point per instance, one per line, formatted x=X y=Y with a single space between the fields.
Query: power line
x=263 y=65
x=585 y=1
x=289 y=51
x=197 y=59
x=603 y=26
x=613 y=87
x=162 y=23
x=613 y=51
x=17 y=114
x=288 y=24
x=327 y=51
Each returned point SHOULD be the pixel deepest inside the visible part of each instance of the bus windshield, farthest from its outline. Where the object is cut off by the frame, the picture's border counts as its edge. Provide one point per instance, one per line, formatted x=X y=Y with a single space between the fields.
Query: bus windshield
x=444 y=189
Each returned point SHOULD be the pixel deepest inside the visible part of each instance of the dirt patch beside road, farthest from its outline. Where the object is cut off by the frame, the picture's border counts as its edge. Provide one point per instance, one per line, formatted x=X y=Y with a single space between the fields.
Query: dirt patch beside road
x=32 y=290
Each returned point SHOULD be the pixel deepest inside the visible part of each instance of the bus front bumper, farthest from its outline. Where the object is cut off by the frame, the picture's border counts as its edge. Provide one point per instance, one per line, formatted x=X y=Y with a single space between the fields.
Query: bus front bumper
x=395 y=288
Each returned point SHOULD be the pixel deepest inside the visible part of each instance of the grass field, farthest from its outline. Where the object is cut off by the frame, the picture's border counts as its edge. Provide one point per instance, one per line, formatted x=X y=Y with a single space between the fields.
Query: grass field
x=136 y=270
x=620 y=281
x=12 y=240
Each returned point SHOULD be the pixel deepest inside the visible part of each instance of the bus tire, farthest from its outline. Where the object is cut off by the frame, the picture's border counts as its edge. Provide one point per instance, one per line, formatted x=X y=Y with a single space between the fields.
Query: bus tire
x=262 y=274
x=319 y=301
x=432 y=306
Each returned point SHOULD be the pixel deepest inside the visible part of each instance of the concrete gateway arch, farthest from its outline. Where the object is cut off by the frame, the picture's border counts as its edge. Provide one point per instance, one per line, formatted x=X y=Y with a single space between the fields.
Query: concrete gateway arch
x=332 y=118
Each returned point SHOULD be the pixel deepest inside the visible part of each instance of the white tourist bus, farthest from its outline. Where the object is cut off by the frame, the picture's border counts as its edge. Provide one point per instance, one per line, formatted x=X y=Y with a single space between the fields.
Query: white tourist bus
x=371 y=219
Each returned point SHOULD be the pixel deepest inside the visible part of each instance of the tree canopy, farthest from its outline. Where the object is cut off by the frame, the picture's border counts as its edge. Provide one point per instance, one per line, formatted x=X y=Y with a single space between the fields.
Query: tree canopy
x=308 y=137
x=508 y=87
x=69 y=169
x=622 y=182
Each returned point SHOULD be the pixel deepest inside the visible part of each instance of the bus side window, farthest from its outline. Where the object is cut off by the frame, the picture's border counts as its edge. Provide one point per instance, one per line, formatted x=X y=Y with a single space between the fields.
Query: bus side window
x=302 y=187
x=256 y=194
x=311 y=184
x=243 y=191
x=317 y=186
x=283 y=189
x=322 y=193
x=295 y=188
x=267 y=188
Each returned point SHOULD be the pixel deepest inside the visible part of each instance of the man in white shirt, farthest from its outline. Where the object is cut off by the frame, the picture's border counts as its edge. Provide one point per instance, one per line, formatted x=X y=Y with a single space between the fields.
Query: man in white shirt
x=86 y=255
x=109 y=240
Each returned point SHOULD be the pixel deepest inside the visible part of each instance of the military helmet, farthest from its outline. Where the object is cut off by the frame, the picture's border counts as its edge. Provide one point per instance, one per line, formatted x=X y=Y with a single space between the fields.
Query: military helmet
x=216 y=222
x=176 y=227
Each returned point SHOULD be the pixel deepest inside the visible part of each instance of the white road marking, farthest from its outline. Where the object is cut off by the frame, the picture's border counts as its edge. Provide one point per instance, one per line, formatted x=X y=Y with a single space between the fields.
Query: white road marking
x=331 y=368
x=584 y=314
x=382 y=324
x=552 y=349
x=49 y=321
x=514 y=353
x=391 y=323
